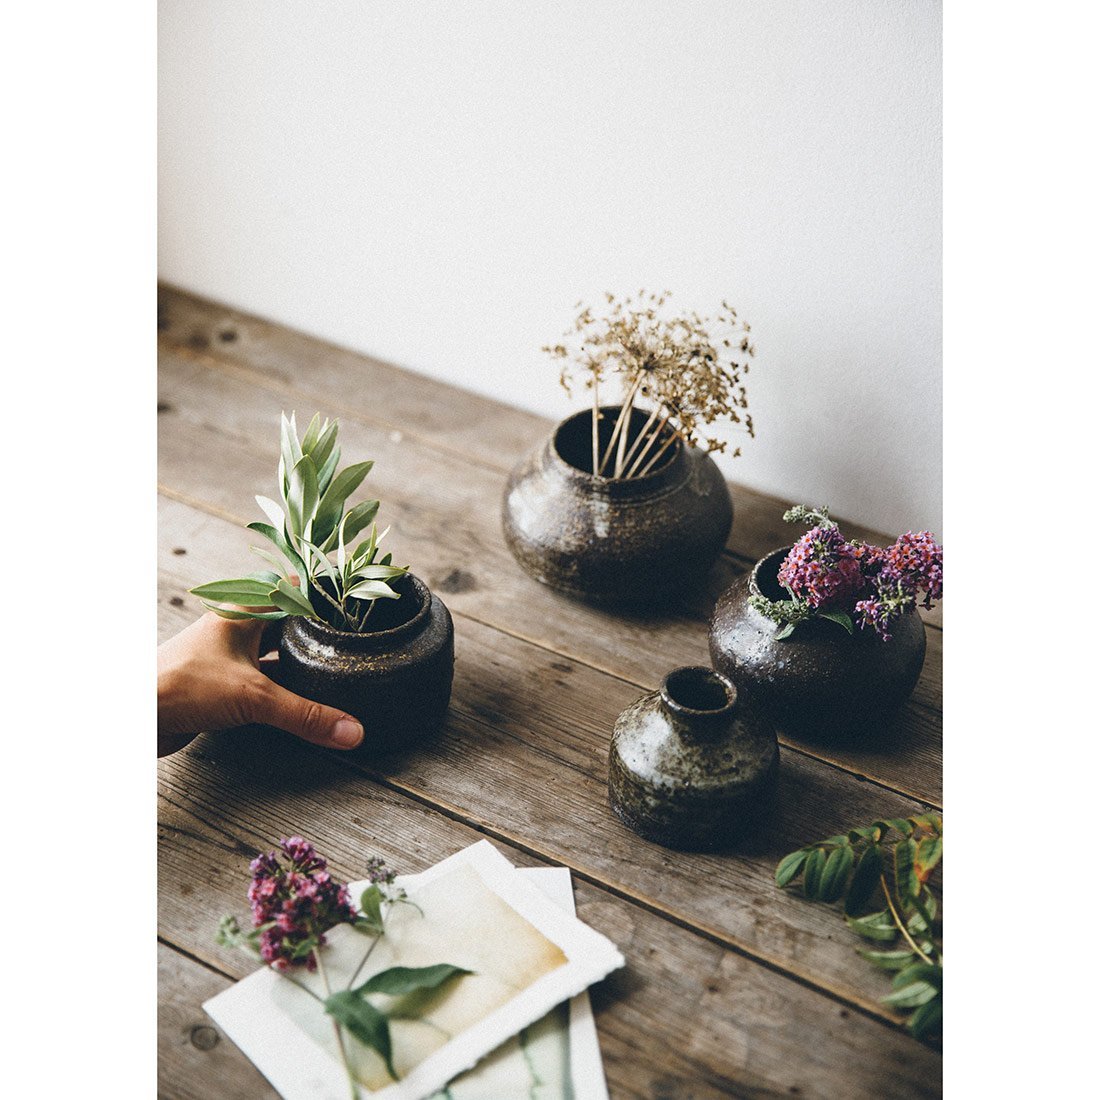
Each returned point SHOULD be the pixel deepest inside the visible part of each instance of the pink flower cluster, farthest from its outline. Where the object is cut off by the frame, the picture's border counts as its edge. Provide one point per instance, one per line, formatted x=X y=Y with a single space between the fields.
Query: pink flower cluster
x=877 y=585
x=822 y=569
x=295 y=904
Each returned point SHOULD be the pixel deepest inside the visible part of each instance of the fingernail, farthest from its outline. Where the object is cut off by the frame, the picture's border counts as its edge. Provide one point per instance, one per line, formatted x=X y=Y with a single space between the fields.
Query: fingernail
x=347 y=733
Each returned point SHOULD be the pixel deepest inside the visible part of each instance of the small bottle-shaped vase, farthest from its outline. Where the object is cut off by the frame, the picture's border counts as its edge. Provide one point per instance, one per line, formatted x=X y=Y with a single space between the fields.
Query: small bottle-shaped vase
x=689 y=768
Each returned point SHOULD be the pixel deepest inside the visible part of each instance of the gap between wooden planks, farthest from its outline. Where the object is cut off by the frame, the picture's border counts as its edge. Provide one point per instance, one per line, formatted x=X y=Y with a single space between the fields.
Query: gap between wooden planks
x=445 y=516
x=515 y=765
x=472 y=427
x=727 y=1026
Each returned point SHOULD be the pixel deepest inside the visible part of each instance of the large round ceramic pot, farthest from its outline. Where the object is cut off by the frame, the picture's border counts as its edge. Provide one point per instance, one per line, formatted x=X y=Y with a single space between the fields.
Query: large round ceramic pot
x=395 y=678
x=689 y=766
x=820 y=680
x=615 y=540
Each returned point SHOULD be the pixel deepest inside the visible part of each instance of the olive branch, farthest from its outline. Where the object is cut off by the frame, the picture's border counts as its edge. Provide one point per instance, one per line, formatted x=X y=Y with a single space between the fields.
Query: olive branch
x=889 y=860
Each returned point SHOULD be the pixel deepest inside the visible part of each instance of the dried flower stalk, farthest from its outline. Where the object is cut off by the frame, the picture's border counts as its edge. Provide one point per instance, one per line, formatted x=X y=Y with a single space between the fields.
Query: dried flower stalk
x=685 y=371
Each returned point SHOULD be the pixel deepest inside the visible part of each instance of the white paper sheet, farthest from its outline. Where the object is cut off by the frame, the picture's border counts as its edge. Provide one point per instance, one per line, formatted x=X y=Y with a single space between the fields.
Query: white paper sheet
x=529 y=954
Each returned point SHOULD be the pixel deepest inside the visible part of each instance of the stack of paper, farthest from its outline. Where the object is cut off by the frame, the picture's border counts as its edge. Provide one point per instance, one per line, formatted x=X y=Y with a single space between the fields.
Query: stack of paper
x=523 y=1005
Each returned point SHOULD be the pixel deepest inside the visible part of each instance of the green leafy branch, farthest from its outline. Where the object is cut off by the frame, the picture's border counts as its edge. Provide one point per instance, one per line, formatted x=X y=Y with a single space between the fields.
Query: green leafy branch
x=885 y=863
x=309 y=522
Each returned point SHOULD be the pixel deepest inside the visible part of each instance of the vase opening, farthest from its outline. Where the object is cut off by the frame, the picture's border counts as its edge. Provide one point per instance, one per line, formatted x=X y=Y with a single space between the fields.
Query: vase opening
x=386 y=615
x=698 y=690
x=765 y=576
x=573 y=441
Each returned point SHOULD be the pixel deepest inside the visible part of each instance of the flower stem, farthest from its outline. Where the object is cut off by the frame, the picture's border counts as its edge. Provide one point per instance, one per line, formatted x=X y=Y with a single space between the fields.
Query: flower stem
x=653 y=437
x=595 y=422
x=336 y=1028
x=624 y=418
x=641 y=435
x=899 y=922
x=656 y=458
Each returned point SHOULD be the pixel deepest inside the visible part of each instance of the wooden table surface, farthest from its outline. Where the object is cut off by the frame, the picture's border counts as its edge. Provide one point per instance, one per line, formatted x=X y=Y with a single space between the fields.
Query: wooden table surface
x=732 y=987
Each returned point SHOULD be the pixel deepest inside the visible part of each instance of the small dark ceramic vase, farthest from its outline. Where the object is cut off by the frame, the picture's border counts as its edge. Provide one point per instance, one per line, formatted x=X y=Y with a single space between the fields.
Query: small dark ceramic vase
x=615 y=540
x=395 y=679
x=689 y=768
x=819 y=681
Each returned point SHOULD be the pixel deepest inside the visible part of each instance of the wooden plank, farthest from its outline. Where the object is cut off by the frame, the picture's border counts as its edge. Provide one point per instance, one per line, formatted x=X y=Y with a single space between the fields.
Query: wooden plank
x=686 y=1018
x=195 y=1059
x=474 y=427
x=523 y=757
x=215 y=450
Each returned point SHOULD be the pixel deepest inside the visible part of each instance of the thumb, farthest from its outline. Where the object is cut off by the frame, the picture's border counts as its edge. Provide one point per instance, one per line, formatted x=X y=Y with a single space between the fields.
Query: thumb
x=310 y=721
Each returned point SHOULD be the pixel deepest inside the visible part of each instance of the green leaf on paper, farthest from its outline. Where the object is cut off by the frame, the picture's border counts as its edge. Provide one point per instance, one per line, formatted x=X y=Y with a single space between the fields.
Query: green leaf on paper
x=365 y=1022
x=370 y=905
x=398 y=980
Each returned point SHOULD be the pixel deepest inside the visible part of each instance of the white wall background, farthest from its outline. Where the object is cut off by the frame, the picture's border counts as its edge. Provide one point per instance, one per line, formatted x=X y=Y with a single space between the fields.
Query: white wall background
x=437 y=183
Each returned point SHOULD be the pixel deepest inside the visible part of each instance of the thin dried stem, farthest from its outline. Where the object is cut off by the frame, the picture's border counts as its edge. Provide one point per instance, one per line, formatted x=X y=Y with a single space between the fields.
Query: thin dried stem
x=650 y=441
x=656 y=458
x=641 y=435
x=623 y=419
x=595 y=421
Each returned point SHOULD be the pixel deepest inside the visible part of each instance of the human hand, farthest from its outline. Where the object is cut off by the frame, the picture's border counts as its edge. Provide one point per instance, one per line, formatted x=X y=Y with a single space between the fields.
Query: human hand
x=209 y=676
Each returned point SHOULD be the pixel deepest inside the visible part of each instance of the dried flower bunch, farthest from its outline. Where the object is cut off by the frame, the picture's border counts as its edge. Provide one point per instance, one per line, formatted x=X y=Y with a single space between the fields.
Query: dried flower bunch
x=886 y=863
x=294 y=902
x=684 y=371
x=831 y=578
x=308 y=523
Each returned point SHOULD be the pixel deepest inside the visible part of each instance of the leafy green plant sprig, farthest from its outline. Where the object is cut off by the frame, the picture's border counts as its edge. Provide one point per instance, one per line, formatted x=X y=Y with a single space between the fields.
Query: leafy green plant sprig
x=886 y=863
x=308 y=522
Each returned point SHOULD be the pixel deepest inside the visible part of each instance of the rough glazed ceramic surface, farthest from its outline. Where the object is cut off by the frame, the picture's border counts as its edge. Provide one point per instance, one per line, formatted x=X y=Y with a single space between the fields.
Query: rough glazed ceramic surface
x=396 y=681
x=614 y=540
x=819 y=681
x=689 y=766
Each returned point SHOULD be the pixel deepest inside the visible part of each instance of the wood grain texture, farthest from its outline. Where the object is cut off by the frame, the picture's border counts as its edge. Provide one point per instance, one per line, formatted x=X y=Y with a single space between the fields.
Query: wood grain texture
x=523 y=756
x=195 y=1059
x=684 y=1019
x=733 y=988
x=475 y=428
x=216 y=451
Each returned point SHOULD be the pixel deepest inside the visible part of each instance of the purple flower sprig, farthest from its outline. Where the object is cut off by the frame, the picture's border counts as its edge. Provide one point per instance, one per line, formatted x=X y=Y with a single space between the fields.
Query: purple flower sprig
x=294 y=902
x=855 y=582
